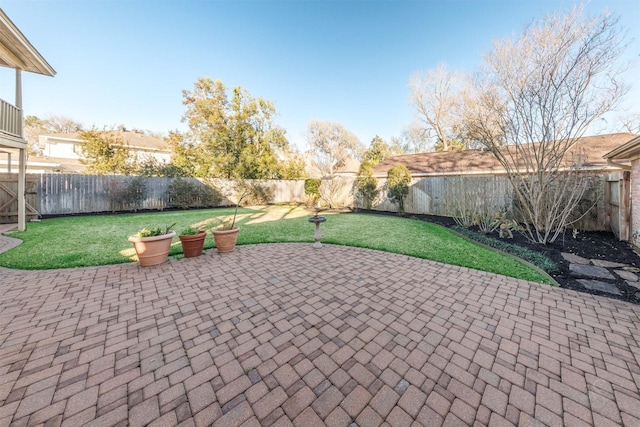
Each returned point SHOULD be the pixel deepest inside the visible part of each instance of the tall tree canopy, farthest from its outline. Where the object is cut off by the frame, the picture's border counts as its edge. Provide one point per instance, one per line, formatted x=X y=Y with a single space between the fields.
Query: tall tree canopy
x=105 y=152
x=379 y=150
x=230 y=135
x=331 y=145
x=438 y=97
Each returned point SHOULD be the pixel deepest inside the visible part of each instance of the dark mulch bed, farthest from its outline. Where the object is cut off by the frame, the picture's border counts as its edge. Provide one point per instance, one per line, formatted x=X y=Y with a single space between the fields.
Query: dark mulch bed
x=587 y=244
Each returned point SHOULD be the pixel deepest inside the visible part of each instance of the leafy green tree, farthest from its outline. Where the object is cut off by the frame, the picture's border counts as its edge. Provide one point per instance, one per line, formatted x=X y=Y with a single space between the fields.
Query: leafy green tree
x=105 y=153
x=292 y=166
x=379 y=150
x=398 y=182
x=229 y=137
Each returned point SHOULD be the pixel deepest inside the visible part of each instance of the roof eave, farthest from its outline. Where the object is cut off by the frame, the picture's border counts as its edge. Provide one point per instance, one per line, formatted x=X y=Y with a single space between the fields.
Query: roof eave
x=41 y=66
x=626 y=151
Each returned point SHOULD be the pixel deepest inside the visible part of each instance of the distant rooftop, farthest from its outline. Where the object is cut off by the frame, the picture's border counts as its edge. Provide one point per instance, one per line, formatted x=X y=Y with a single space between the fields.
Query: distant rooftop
x=591 y=150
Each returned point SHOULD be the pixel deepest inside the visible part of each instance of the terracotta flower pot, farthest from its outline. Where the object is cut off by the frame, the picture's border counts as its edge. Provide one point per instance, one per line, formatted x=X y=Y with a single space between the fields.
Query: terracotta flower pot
x=152 y=250
x=192 y=244
x=225 y=239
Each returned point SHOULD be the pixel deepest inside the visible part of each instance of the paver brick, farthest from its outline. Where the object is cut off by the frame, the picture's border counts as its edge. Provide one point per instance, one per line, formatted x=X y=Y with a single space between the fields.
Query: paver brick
x=298 y=402
x=144 y=413
x=399 y=418
x=327 y=401
x=356 y=401
x=268 y=403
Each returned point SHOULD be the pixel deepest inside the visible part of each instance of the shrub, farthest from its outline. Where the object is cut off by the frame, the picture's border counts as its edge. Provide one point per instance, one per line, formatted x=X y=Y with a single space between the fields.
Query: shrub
x=367 y=189
x=188 y=193
x=312 y=190
x=126 y=193
x=334 y=192
x=254 y=193
x=398 y=181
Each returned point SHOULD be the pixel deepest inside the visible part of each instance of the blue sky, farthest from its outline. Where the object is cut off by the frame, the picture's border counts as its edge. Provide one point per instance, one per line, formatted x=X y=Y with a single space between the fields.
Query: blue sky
x=127 y=62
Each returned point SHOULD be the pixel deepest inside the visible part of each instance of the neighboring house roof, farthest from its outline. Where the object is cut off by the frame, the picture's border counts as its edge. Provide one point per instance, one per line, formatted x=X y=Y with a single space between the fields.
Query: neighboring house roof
x=348 y=166
x=591 y=150
x=17 y=52
x=133 y=139
x=56 y=164
x=628 y=151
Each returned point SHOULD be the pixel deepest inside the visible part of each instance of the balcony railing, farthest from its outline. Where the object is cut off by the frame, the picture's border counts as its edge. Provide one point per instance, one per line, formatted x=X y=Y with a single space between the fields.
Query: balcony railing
x=10 y=119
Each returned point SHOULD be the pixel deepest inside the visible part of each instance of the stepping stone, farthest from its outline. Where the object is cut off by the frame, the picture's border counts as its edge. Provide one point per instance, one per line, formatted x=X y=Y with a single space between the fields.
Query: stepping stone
x=632 y=269
x=627 y=275
x=590 y=271
x=607 y=264
x=596 y=285
x=634 y=284
x=574 y=258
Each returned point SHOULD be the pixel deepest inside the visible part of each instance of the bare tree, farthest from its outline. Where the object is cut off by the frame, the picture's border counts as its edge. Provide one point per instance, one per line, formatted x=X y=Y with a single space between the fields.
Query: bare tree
x=61 y=124
x=331 y=145
x=413 y=139
x=438 y=98
x=630 y=123
x=540 y=93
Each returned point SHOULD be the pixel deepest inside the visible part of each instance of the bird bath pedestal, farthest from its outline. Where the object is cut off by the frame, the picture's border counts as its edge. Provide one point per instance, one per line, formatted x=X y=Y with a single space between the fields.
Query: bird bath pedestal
x=317 y=220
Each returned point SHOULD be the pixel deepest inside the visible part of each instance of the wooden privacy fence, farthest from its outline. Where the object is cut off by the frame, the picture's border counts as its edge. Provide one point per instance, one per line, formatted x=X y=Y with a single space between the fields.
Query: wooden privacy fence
x=60 y=194
x=9 y=198
x=450 y=195
x=618 y=204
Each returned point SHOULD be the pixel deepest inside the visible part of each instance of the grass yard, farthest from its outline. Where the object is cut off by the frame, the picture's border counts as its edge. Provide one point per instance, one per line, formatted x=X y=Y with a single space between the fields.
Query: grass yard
x=100 y=240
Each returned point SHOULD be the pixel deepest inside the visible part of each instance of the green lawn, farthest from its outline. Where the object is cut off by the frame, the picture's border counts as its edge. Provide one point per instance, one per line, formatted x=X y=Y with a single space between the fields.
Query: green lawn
x=99 y=240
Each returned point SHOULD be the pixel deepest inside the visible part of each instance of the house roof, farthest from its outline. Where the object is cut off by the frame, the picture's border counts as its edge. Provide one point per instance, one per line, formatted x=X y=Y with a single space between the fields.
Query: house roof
x=627 y=151
x=56 y=163
x=348 y=166
x=133 y=139
x=17 y=52
x=591 y=148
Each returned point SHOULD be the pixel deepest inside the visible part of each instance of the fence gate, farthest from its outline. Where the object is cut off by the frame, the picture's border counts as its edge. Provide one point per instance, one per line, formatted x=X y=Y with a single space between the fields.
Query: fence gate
x=9 y=198
x=617 y=203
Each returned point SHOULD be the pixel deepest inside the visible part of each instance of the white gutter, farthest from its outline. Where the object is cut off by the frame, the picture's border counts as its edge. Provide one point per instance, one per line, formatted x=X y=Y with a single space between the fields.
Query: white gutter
x=618 y=165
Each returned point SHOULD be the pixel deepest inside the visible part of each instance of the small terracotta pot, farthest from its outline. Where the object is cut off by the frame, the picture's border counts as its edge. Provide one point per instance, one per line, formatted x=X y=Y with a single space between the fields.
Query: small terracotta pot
x=152 y=250
x=225 y=239
x=192 y=244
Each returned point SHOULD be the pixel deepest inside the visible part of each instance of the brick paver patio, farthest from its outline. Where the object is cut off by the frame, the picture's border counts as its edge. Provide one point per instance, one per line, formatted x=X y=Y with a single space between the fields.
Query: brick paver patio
x=288 y=335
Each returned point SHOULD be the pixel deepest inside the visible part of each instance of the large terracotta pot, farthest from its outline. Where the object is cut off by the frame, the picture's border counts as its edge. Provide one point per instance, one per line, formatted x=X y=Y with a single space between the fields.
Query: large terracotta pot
x=192 y=244
x=152 y=250
x=225 y=239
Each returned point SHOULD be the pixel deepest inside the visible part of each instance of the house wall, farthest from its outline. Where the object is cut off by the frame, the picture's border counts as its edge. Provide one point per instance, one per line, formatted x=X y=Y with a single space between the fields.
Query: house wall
x=634 y=200
x=158 y=155
x=61 y=149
